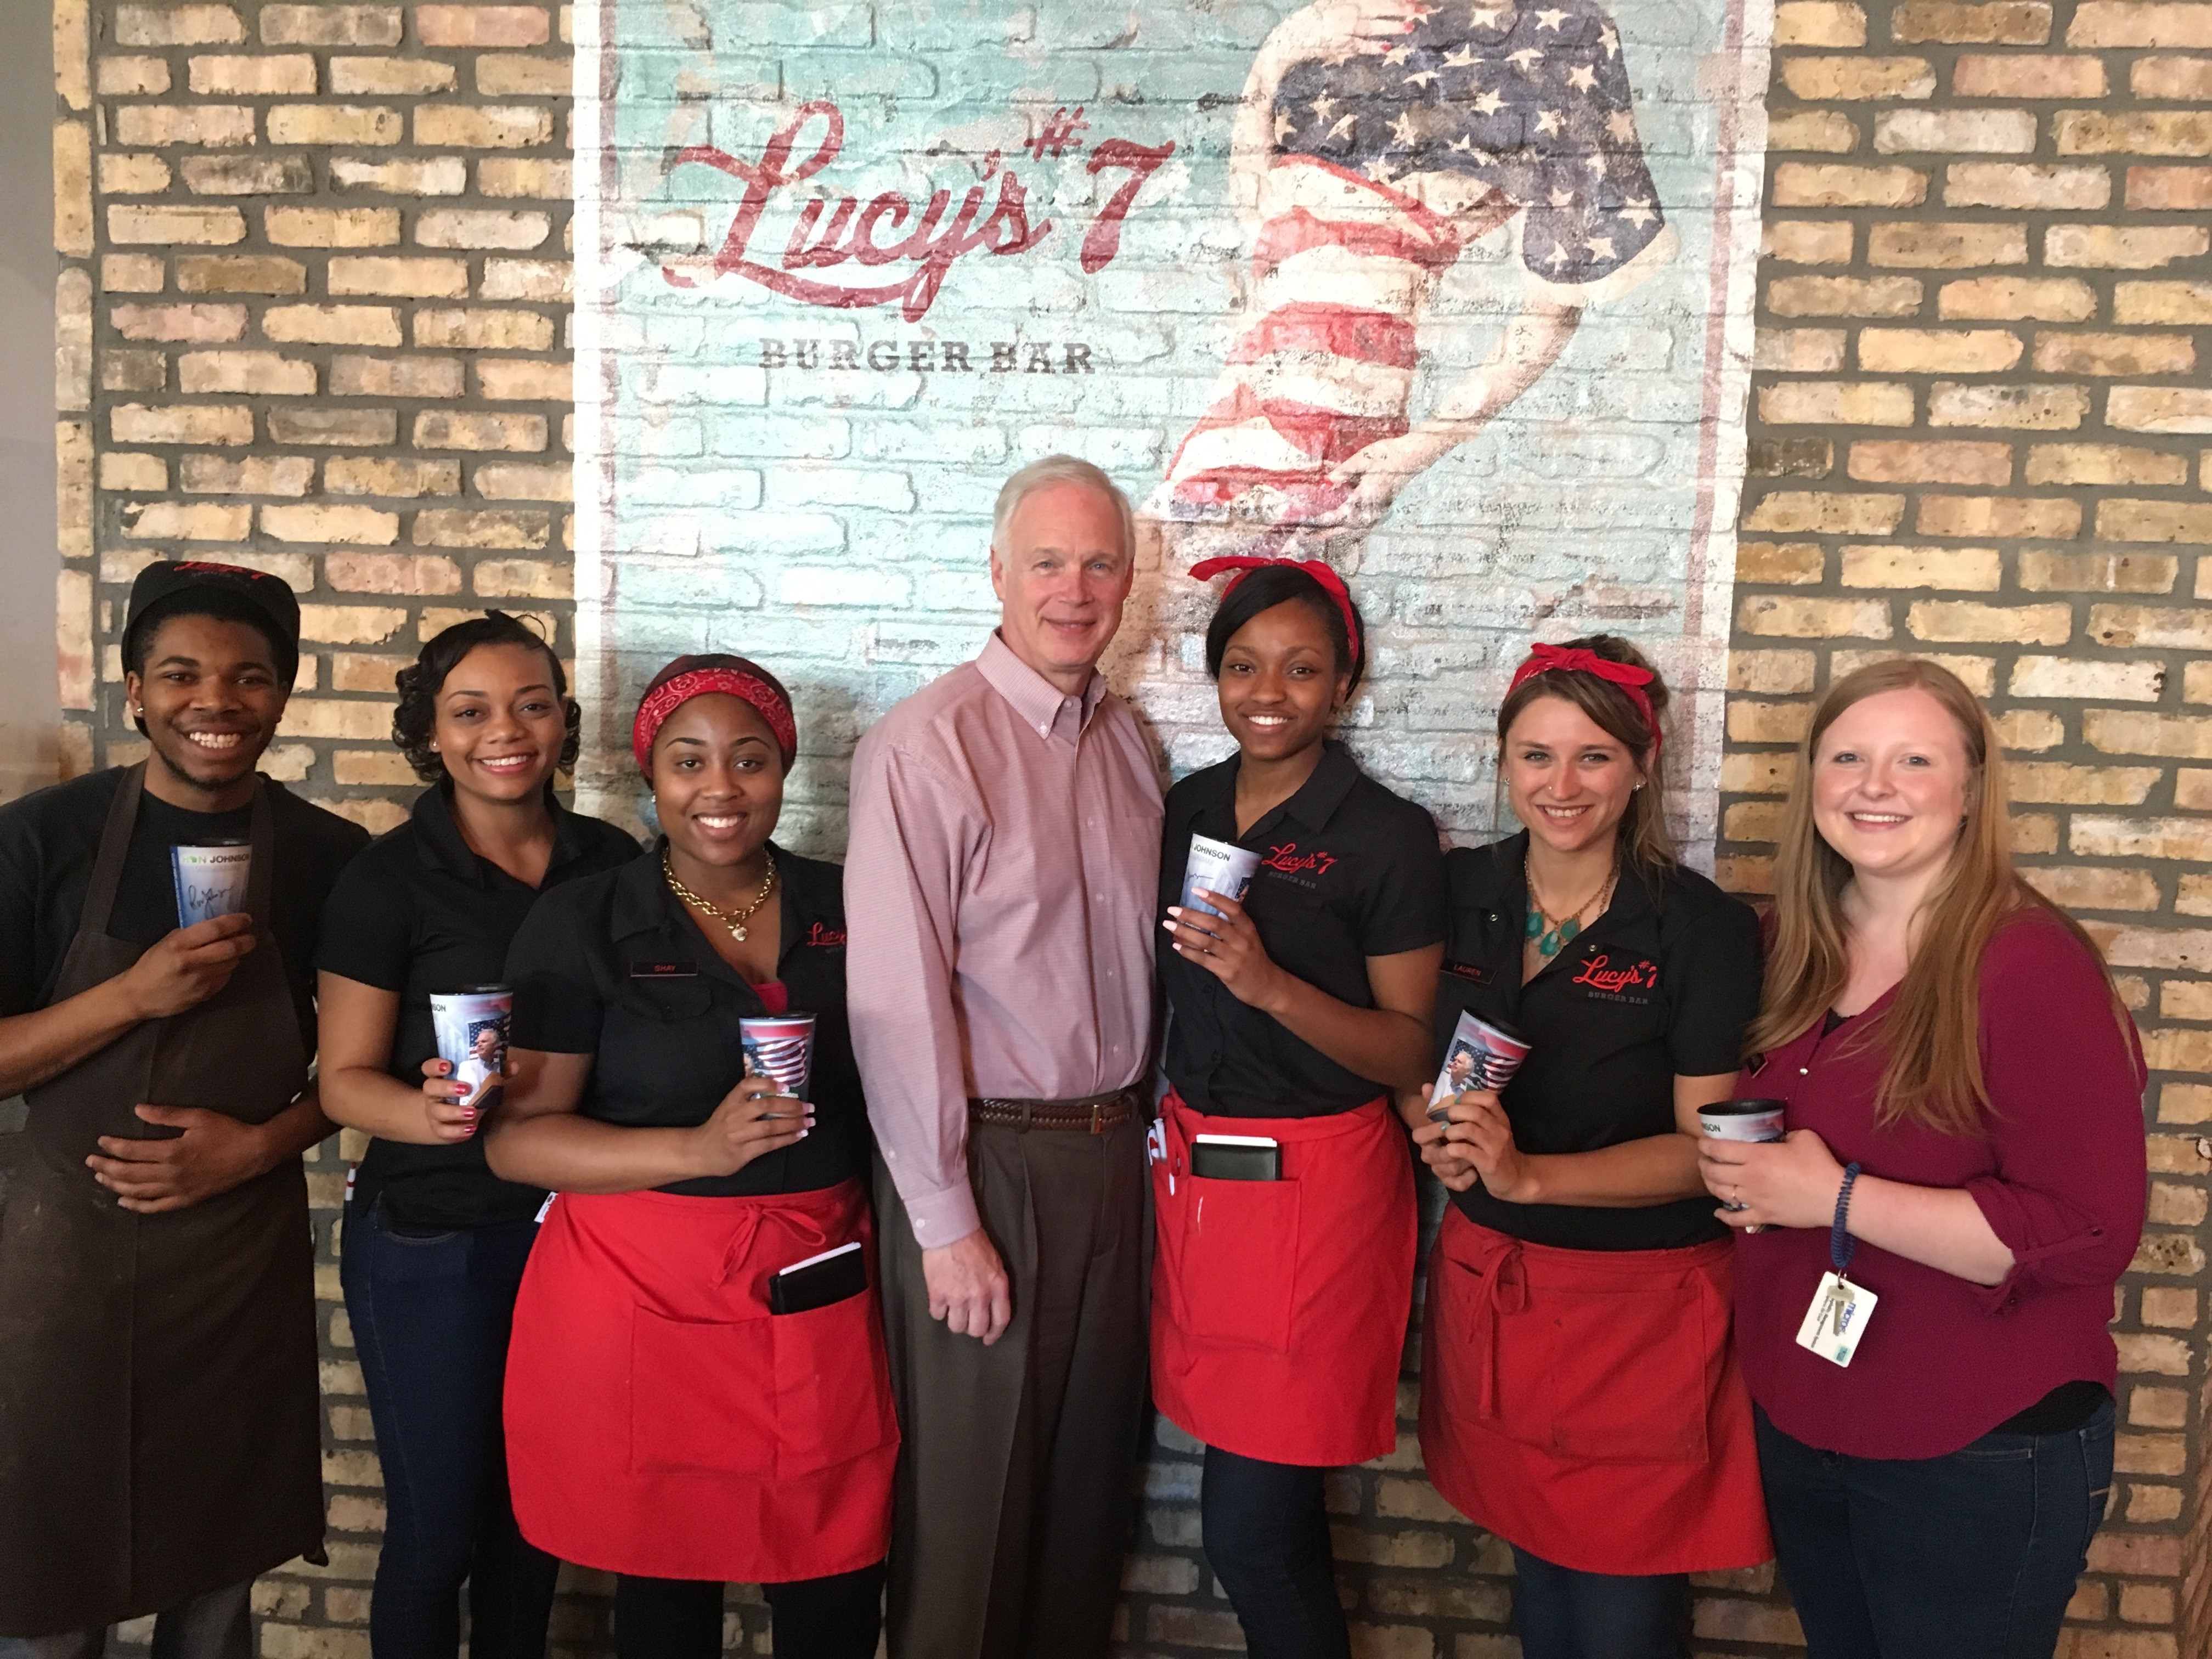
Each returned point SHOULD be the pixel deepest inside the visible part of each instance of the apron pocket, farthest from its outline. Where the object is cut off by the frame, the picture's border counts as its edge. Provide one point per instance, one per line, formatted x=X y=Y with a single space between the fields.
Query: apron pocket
x=830 y=1404
x=1239 y=1268
x=699 y=1401
x=1622 y=1376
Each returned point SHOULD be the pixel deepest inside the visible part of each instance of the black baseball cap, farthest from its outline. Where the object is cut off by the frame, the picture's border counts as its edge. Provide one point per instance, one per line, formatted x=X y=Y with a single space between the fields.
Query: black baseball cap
x=198 y=588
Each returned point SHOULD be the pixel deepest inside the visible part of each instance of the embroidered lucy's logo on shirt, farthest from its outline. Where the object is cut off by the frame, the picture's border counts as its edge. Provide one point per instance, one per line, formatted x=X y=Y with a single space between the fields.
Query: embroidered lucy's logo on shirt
x=1607 y=981
x=1290 y=861
x=817 y=935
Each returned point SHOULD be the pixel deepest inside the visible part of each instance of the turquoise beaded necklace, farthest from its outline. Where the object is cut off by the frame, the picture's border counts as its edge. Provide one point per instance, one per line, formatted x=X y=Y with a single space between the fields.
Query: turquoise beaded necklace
x=1553 y=933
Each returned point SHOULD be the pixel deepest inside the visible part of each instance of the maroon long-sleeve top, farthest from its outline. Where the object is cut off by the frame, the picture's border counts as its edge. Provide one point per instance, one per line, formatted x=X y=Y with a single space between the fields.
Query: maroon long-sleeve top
x=2060 y=1174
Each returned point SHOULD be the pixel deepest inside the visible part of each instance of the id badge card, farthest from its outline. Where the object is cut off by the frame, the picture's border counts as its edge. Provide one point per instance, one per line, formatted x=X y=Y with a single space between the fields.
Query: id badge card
x=1837 y=1319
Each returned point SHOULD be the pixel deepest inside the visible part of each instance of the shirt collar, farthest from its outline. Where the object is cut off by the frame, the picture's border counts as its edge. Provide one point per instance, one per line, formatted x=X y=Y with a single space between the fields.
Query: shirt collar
x=1042 y=706
x=1313 y=803
x=1501 y=883
x=644 y=904
x=440 y=841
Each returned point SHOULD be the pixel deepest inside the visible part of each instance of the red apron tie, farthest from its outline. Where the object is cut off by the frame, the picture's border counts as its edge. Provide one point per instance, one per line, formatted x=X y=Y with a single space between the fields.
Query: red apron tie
x=1505 y=1290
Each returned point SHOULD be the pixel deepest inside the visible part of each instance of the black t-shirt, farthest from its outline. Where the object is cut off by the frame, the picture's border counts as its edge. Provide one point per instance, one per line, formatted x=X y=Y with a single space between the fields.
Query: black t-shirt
x=418 y=912
x=1347 y=871
x=50 y=839
x=613 y=966
x=1661 y=984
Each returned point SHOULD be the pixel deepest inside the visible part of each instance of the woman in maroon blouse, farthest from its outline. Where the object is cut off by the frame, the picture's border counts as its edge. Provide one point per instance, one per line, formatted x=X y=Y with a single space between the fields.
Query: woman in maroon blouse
x=1922 y=1290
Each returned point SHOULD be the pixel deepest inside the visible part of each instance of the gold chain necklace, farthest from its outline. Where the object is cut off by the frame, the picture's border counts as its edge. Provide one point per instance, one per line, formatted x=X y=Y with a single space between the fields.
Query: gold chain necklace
x=735 y=923
x=1553 y=934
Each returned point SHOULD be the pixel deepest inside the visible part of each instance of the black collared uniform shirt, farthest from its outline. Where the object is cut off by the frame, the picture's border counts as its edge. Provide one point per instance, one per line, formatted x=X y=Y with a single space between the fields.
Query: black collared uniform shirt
x=1662 y=983
x=1347 y=871
x=615 y=966
x=418 y=912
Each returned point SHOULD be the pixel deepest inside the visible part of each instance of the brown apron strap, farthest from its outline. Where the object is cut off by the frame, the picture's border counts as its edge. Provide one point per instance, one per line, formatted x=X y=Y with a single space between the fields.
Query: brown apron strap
x=114 y=849
x=261 y=878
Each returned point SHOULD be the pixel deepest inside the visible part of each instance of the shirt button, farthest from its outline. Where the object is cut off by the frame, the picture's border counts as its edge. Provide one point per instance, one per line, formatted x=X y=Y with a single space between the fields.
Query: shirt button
x=1804 y=1070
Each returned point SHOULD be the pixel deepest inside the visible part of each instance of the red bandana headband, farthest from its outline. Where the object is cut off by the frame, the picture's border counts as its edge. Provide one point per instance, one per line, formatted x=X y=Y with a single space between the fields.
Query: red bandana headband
x=1331 y=584
x=673 y=693
x=1566 y=659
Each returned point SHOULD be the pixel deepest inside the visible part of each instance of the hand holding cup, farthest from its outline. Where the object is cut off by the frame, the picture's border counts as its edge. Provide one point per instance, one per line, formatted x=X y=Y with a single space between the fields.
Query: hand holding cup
x=753 y=1120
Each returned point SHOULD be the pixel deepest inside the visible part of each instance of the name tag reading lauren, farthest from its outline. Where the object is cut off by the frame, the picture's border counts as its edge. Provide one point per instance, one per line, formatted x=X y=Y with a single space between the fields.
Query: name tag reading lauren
x=1837 y=1319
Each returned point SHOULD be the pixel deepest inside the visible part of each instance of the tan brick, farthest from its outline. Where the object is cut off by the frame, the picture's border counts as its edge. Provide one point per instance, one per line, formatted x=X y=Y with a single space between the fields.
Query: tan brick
x=2024 y=185
x=2162 y=1305
x=335 y=123
x=353 y=670
x=375 y=767
x=484 y=329
x=373 y=325
x=390 y=78
x=359 y=526
x=1798 y=351
x=349 y=624
x=2019 y=407
x=1804 y=242
x=1967 y=569
x=2093 y=887
x=153 y=126
x=2182 y=80
x=483 y=126
x=436 y=618
x=199 y=323
x=499 y=528
x=2151 y=1454
x=401 y=278
x=324 y=25
x=1939 y=246
x=2125 y=247
x=277 y=74
x=177 y=25
x=438 y=428
x=179 y=521
x=392 y=573
x=1998 y=516
x=329 y=717
x=2186 y=303
x=367 y=475
x=247 y=175
x=1973 y=131
x=1779 y=563
x=1844 y=296
x=2030 y=731
x=1837 y=403
x=395 y=377
x=132 y=77
x=2029 y=75
x=481 y=26
x=1772 y=673
x=216 y=227
x=2159 y=409
x=2097 y=572
x=122 y=370
x=2005 y=22
x=181 y=423
x=2054 y=783
x=2058 y=299
x=2132 y=132
x=264 y=372
x=433 y=175
x=240 y=273
x=1956 y=621
x=122 y=471
x=2196 y=682
x=1800 y=512
x=511 y=379
x=2115 y=354
x=1827 y=183
x=1824 y=131
x=124 y=174
x=502 y=75
x=547 y=280
x=1922 y=462
x=512 y=177
x=2170 y=190
x=252 y=475
x=1809 y=618
x=512 y=481
x=1818 y=23
x=2124 y=520
x=1822 y=80
x=1766 y=722
x=1937 y=350
x=2141 y=1351
x=352 y=428
x=319 y=227
x=473 y=227
x=2150 y=627
x=2136 y=23
x=2103 y=464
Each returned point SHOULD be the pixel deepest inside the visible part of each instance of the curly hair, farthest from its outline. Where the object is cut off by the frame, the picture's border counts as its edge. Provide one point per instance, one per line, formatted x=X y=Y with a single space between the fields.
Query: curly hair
x=415 y=721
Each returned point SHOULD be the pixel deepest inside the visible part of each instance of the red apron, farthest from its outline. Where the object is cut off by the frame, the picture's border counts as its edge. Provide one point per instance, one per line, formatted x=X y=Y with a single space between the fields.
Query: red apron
x=1587 y=1405
x=1280 y=1307
x=660 y=1422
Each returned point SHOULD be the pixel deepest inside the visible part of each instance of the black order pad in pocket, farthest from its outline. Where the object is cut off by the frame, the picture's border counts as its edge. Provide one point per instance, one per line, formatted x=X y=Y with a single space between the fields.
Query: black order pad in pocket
x=818 y=1282
x=1236 y=1157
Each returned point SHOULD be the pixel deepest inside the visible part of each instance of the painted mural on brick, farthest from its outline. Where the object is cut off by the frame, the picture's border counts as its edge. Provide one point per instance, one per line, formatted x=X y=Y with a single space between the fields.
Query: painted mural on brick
x=1455 y=296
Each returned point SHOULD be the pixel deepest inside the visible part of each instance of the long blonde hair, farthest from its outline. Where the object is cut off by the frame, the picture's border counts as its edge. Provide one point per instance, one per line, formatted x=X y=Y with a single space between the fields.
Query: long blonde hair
x=1932 y=1029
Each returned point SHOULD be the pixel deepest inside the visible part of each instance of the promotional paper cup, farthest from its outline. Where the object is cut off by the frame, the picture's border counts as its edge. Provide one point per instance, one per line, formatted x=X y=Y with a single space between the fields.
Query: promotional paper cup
x=1482 y=1055
x=1215 y=866
x=471 y=1026
x=1743 y=1120
x=781 y=1046
x=210 y=880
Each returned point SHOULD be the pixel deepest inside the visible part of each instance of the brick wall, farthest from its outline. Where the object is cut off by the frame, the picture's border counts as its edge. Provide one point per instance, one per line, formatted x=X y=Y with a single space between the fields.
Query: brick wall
x=312 y=305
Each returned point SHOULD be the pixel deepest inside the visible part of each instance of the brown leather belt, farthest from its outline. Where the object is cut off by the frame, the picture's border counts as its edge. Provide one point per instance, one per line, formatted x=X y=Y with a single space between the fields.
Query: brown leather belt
x=1095 y=1115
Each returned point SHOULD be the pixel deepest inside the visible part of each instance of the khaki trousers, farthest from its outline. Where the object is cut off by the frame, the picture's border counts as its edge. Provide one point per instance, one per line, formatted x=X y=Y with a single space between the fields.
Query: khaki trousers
x=1015 y=1499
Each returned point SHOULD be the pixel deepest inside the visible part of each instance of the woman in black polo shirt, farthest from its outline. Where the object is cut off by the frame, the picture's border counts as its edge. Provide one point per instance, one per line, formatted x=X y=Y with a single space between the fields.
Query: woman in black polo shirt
x=1580 y=1396
x=1279 y=1302
x=434 y=1242
x=677 y=1411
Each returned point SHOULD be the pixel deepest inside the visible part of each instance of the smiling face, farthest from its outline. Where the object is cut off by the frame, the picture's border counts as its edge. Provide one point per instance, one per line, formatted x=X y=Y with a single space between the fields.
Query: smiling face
x=1061 y=575
x=717 y=780
x=1891 y=782
x=211 y=701
x=500 y=724
x=1566 y=777
x=1280 y=682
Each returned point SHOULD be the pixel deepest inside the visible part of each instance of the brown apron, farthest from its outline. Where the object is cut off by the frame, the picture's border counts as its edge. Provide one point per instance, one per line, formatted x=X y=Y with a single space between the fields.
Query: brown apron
x=160 y=1424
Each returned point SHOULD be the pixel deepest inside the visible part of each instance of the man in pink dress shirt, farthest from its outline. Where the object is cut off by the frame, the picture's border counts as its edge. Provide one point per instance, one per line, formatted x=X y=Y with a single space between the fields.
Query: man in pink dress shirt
x=1000 y=886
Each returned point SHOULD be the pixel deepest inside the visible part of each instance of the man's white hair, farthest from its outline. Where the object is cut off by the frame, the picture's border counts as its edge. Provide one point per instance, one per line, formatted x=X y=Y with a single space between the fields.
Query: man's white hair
x=1059 y=469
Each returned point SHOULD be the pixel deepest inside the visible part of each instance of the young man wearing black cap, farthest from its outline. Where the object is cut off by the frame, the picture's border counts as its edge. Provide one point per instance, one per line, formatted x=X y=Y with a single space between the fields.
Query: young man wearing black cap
x=159 y=1433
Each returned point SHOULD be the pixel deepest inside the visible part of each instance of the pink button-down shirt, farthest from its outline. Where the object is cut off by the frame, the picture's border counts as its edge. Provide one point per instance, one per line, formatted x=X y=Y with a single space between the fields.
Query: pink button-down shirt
x=999 y=891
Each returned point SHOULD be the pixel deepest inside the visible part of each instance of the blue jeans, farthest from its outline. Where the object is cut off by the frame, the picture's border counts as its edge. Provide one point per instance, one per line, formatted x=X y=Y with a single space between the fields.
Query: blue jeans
x=1971 y=1556
x=431 y=1313
x=1562 y=1614
x=1266 y=1531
